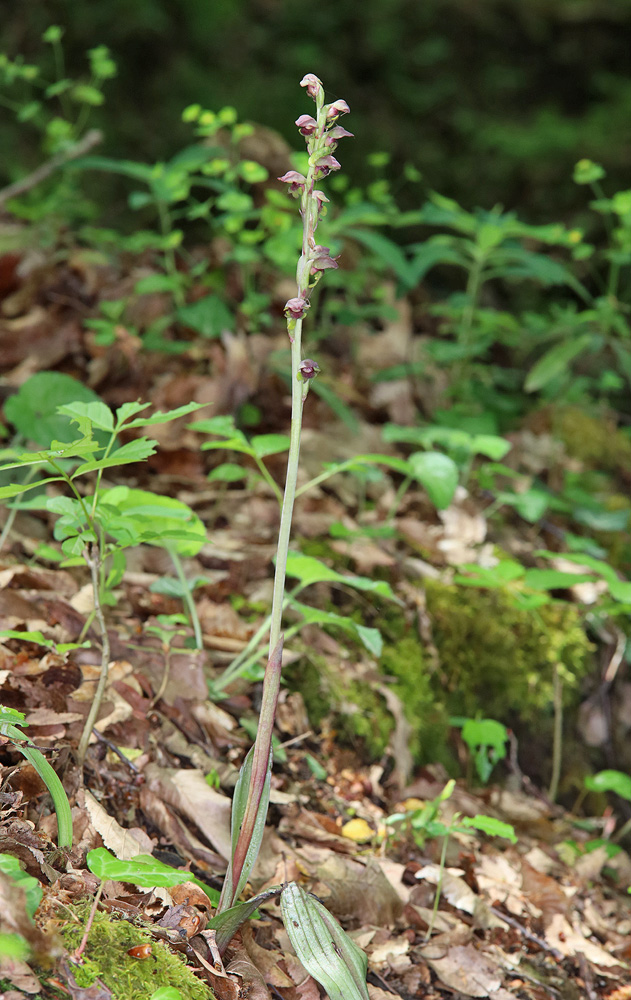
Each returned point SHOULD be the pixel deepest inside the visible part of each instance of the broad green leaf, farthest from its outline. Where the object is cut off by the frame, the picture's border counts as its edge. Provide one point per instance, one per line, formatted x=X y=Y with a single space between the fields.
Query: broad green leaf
x=438 y=474
x=490 y=445
x=209 y=316
x=31 y=887
x=269 y=444
x=135 y=516
x=610 y=781
x=229 y=472
x=143 y=870
x=491 y=826
x=485 y=732
x=555 y=361
x=166 y=993
x=97 y=413
x=33 y=409
x=327 y=953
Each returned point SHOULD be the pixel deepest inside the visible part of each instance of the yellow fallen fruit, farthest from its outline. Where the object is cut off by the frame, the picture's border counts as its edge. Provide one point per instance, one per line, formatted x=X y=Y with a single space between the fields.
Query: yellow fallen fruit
x=358 y=830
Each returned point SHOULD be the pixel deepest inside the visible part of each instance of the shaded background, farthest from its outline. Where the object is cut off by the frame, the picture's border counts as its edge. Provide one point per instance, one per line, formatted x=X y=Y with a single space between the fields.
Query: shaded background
x=492 y=101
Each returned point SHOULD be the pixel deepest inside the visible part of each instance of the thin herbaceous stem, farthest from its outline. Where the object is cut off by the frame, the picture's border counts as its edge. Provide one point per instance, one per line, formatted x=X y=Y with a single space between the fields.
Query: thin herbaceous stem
x=251 y=797
x=93 y=559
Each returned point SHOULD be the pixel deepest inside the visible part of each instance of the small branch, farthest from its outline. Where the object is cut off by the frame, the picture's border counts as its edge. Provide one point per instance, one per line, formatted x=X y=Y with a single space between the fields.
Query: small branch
x=92 y=557
x=84 y=145
x=88 y=927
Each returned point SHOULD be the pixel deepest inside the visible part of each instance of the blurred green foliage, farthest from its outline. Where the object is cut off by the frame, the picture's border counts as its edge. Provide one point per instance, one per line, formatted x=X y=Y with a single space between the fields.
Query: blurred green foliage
x=492 y=101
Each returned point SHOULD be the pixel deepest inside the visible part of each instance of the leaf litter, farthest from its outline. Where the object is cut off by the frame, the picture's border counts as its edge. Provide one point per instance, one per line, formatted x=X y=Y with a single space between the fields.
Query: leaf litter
x=520 y=921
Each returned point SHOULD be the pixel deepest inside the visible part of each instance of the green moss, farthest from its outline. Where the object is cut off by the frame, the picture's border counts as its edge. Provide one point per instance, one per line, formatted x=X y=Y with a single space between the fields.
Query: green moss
x=494 y=660
x=106 y=959
x=593 y=440
x=498 y=659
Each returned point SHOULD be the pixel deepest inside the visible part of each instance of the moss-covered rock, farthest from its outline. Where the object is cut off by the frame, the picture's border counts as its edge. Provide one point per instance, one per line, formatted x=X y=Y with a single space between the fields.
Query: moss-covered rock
x=498 y=659
x=493 y=659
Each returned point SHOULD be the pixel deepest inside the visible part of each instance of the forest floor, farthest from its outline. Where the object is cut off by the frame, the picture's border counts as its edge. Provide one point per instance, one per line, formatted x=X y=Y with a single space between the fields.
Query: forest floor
x=533 y=919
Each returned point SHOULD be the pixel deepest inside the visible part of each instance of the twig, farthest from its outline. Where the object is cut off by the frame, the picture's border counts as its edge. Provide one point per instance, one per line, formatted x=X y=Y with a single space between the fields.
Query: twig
x=119 y=753
x=92 y=556
x=557 y=956
x=84 y=145
x=88 y=927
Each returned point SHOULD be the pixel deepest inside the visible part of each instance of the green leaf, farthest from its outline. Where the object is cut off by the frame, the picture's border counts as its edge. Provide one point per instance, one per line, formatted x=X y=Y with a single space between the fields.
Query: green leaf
x=209 y=316
x=159 y=417
x=610 y=781
x=438 y=474
x=486 y=733
x=143 y=870
x=555 y=361
x=166 y=993
x=554 y=579
x=96 y=412
x=33 y=410
x=310 y=570
x=371 y=638
x=31 y=887
x=227 y=923
x=269 y=444
x=326 y=952
x=134 y=451
x=135 y=516
x=17 y=488
x=491 y=826
x=229 y=472
x=490 y=445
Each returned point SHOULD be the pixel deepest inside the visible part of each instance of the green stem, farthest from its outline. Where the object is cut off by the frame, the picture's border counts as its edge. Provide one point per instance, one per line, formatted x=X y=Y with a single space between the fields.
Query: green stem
x=298 y=394
x=187 y=597
x=269 y=479
x=557 y=740
x=93 y=559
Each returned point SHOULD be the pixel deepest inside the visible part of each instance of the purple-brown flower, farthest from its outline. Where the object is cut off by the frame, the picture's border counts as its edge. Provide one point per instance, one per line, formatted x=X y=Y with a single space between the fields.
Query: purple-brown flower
x=309 y=369
x=326 y=164
x=337 y=108
x=313 y=85
x=295 y=180
x=296 y=308
x=307 y=125
x=322 y=259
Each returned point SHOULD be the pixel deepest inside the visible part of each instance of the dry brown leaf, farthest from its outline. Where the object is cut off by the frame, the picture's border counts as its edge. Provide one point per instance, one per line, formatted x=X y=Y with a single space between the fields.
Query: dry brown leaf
x=125 y=844
x=190 y=794
x=501 y=882
x=569 y=940
x=463 y=968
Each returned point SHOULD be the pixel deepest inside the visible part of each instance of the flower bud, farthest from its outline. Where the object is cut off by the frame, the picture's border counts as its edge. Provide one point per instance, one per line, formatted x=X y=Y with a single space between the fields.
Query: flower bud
x=308 y=369
x=296 y=308
x=313 y=85
x=337 y=108
x=306 y=124
x=295 y=180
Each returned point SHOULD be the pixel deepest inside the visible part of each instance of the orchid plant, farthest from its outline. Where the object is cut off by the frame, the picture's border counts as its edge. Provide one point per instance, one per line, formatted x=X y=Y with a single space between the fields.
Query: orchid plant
x=320 y=943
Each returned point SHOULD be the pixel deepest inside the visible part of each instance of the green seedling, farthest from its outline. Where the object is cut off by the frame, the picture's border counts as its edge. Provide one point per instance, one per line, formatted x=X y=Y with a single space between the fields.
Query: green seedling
x=11 y=726
x=424 y=824
x=486 y=740
x=96 y=527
